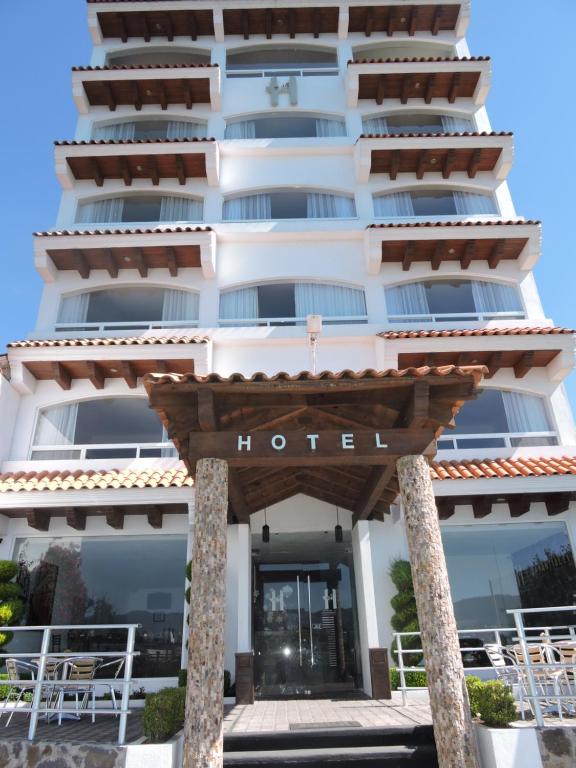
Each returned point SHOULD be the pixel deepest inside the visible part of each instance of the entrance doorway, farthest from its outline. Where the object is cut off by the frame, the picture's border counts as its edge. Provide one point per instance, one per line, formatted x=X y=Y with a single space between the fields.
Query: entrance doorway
x=305 y=624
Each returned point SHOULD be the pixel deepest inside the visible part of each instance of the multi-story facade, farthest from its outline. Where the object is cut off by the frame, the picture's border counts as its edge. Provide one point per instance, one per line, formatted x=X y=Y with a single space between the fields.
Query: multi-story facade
x=236 y=167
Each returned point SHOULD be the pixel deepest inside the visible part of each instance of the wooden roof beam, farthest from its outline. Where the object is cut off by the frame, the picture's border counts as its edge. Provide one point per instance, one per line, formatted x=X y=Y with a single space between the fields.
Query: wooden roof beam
x=446 y=507
x=169 y=27
x=413 y=21
x=128 y=373
x=125 y=171
x=438 y=255
x=188 y=95
x=394 y=164
x=115 y=517
x=146 y=27
x=468 y=255
x=423 y=160
x=436 y=21
x=38 y=519
x=391 y=25
x=316 y=22
x=292 y=23
x=494 y=364
x=454 y=87
x=140 y=261
x=378 y=480
x=81 y=263
x=137 y=96
x=369 y=24
x=380 y=89
x=206 y=411
x=61 y=376
x=519 y=505
x=430 y=85
x=557 y=503
x=123 y=28
x=236 y=497
x=525 y=364
x=153 y=170
x=474 y=163
x=245 y=20
x=497 y=253
x=268 y=23
x=409 y=253
x=163 y=98
x=154 y=515
x=75 y=518
x=192 y=25
x=180 y=169
x=96 y=172
x=110 y=100
x=449 y=162
x=416 y=410
x=481 y=506
x=171 y=261
x=110 y=262
x=96 y=375
x=406 y=85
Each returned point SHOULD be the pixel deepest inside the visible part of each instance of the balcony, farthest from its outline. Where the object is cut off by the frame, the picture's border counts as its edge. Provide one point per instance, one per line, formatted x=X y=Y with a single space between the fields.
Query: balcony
x=127 y=161
x=289 y=204
x=418 y=79
x=424 y=154
x=139 y=85
x=171 y=249
x=281 y=60
x=456 y=243
x=286 y=126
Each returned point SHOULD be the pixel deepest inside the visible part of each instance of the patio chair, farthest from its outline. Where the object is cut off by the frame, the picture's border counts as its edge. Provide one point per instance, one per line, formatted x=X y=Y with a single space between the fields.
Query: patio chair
x=76 y=669
x=20 y=673
x=507 y=672
x=111 y=669
x=550 y=682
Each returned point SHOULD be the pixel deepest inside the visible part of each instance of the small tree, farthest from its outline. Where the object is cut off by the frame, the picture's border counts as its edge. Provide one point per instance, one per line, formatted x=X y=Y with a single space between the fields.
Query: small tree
x=11 y=602
x=405 y=618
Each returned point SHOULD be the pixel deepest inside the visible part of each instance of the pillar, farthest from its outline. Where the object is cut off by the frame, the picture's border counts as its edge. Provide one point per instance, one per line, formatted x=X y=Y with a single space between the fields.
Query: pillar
x=203 y=741
x=453 y=730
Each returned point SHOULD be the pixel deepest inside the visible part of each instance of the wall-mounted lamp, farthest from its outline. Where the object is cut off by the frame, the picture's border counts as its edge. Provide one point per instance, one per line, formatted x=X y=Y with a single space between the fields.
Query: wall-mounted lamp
x=265 y=530
x=313 y=329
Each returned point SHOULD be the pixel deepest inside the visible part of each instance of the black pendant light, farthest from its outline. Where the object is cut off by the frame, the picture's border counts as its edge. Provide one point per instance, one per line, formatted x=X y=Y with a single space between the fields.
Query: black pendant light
x=338 y=535
x=265 y=530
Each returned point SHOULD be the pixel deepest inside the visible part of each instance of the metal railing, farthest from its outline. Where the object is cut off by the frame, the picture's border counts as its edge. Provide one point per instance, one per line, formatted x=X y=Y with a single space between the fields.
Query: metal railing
x=457 y=317
x=105 y=451
x=272 y=321
x=44 y=683
x=303 y=71
x=496 y=440
x=128 y=325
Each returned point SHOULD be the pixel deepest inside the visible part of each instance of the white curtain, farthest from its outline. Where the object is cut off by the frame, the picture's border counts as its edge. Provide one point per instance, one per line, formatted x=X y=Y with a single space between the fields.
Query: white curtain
x=456 y=124
x=322 y=206
x=525 y=413
x=107 y=211
x=251 y=207
x=326 y=128
x=407 y=299
x=114 y=131
x=245 y=129
x=469 y=203
x=73 y=309
x=397 y=205
x=375 y=125
x=182 y=129
x=328 y=300
x=240 y=304
x=180 y=209
x=56 y=426
x=180 y=305
x=495 y=297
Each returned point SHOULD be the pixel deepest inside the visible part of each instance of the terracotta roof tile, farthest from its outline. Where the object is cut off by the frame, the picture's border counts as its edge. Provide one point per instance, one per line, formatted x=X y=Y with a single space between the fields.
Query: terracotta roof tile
x=118 y=341
x=511 y=467
x=499 y=223
x=143 y=66
x=152 y=231
x=67 y=480
x=418 y=59
x=475 y=134
x=544 y=331
x=97 y=142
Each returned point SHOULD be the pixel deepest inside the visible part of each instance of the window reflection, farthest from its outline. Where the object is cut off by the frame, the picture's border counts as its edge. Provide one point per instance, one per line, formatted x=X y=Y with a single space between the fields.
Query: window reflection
x=494 y=568
x=108 y=580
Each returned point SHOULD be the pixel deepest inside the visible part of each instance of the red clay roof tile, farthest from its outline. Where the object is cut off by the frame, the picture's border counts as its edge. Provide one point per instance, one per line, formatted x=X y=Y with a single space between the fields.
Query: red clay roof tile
x=461 y=332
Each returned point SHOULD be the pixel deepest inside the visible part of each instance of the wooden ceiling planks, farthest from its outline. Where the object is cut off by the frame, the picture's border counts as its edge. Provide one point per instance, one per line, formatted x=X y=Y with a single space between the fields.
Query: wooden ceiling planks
x=64 y=372
x=84 y=260
x=417 y=85
x=492 y=250
x=179 y=165
x=154 y=24
x=176 y=88
x=470 y=160
x=520 y=360
x=406 y=18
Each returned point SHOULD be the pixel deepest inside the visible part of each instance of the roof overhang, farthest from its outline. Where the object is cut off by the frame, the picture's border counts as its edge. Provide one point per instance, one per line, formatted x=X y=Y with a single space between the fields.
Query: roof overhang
x=119 y=250
x=418 y=80
x=136 y=86
x=455 y=243
x=332 y=436
x=439 y=154
x=128 y=161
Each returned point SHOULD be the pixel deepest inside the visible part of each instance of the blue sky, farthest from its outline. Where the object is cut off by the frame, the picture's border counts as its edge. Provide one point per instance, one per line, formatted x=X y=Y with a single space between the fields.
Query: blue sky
x=531 y=94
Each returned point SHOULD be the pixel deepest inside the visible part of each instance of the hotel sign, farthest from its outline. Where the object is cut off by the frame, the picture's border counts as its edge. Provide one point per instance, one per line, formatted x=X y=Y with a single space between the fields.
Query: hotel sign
x=311 y=447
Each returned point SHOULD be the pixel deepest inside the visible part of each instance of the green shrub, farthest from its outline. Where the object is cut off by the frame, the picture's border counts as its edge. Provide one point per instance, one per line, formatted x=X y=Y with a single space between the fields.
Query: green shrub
x=10 y=591
x=8 y=570
x=11 y=603
x=491 y=701
x=413 y=679
x=11 y=611
x=163 y=714
x=405 y=617
x=228 y=687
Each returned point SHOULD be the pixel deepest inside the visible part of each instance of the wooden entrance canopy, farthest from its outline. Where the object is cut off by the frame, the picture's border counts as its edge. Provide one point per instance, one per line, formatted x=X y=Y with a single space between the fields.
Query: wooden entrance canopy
x=333 y=436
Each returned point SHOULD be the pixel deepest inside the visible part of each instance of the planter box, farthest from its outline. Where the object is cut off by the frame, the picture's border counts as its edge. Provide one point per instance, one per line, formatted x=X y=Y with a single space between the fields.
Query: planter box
x=508 y=747
x=167 y=755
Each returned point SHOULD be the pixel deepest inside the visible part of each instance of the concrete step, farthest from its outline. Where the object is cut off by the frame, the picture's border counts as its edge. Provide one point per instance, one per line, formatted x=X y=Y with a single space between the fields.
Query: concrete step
x=392 y=756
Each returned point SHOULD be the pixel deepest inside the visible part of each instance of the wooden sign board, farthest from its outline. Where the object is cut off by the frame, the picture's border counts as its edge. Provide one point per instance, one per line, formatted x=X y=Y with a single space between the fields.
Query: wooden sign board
x=313 y=448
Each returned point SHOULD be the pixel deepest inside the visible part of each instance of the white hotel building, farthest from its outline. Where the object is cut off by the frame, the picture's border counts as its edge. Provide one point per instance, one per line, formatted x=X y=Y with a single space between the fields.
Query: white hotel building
x=237 y=166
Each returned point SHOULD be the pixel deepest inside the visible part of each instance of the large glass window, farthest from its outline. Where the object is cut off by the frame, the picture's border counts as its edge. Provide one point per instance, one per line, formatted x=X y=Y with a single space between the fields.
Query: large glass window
x=493 y=568
x=452 y=300
x=157 y=58
x=128 y=309
x=512 y=419
x=103 y=428
x=285 y=127
x=149 y=129
x=108 y=580
x=289 y=204
x=425 y=122
x=404 y=50
x=291 y=303
x=433 y=203
x=140 y=208
x=268 y=61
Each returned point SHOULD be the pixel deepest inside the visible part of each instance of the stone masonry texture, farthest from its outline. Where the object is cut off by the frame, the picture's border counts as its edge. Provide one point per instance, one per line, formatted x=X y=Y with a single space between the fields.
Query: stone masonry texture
x=455 y=739
x=557 y=747
x=203 y=740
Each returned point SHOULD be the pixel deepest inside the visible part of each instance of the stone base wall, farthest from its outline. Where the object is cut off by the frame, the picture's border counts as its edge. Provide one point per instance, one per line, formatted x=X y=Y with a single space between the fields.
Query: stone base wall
x=557 y=747
x=16 y=754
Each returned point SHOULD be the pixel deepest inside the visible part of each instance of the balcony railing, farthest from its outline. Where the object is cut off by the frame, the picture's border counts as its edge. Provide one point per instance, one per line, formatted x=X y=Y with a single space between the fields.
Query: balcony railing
x=144 y=325
x=104 y=451
x=284 y=72
x=459 y=317
x=272 y=321
x=497 y=440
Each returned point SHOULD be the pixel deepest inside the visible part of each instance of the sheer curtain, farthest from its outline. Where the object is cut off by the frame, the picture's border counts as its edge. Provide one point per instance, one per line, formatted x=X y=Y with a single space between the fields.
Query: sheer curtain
x=325 y=128
x=251 y=207
x=73 y=309
x=407 y=300
x=56 y=426
x=245 y=129
x=495 y=297
x=328 y=300
x=114 y=131
x=375 y=125
x=456 y=124
x=469 y=203
x=241 y=304
x=180 y=305
x=180 y=209
x=397 y=205
x=182 y=129
x=323 y=206
x=525 y=413
x=101 y=211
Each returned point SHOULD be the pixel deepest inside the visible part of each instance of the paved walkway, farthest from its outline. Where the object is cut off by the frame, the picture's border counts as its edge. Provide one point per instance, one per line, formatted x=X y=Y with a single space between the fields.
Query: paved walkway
x=294 y=714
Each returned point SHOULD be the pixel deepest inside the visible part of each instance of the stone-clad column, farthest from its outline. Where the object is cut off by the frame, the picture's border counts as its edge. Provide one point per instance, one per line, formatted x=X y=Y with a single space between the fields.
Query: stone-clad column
x=453 y=731
x=203 y=740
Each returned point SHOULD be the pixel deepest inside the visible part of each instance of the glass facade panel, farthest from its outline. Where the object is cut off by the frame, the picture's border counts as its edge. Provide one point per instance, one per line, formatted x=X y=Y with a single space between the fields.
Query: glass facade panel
x=108 y=580
x=281 y=58
x=124 y=305
x=158 y=58
x=433 y=203
x=493 y=568
x=117 y=420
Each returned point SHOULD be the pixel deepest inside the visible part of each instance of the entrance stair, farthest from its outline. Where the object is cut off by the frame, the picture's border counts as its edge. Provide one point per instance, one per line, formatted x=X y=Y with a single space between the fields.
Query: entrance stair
x=391 y=747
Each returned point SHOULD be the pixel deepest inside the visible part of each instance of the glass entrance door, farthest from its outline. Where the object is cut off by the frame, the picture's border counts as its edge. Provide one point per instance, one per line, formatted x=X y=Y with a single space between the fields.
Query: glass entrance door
x=304 y=623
